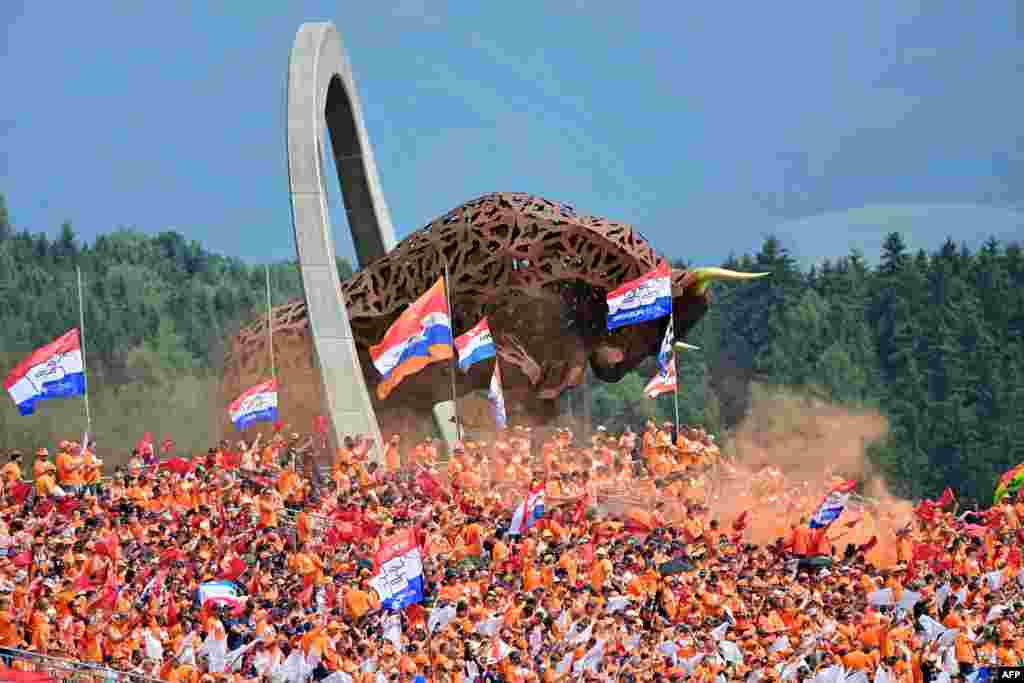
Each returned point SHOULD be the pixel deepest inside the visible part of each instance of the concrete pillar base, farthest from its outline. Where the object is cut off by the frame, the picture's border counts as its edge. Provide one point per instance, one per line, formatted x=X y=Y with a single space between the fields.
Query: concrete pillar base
x=444 y=419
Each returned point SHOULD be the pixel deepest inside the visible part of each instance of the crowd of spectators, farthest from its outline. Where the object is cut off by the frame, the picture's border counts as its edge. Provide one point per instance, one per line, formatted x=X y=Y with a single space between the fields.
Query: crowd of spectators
x=629 y=575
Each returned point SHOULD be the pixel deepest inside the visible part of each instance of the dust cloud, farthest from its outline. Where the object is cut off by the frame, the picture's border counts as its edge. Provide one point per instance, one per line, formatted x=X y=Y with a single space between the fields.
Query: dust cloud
x=790 y=451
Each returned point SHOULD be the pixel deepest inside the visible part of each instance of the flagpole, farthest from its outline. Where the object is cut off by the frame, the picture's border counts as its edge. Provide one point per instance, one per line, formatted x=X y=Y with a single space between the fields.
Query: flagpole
x=270 y=328
x=454 y=359
x=81 y=342
x=675 y=359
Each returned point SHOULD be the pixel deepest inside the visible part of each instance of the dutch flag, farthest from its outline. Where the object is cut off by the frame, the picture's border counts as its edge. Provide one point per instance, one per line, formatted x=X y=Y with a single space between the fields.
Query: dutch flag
x=833 y=505
x=527 y=514
x=258 y=404
x=54 y=371
x=399 y=571
x=475 y=345
x=646 y=298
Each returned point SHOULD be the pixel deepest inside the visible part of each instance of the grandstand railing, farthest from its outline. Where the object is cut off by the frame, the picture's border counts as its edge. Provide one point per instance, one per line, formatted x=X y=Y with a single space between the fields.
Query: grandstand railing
x=68 y=670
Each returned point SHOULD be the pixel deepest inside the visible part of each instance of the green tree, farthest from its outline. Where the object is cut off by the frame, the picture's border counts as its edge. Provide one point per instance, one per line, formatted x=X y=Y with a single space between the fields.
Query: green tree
x=6 y=229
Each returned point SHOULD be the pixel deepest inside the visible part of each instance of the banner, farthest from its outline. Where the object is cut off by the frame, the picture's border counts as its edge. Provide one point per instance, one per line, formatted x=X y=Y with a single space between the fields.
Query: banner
x=399 y=578
x=258 y=404
x=646 y=298
x=53 y=371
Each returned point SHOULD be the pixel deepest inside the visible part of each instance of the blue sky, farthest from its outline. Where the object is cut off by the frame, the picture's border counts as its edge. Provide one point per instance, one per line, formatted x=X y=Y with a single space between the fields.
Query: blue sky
x=708 y=125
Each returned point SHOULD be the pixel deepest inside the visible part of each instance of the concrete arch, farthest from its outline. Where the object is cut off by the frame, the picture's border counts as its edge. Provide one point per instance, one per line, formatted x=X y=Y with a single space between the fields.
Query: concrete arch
x=322 y=99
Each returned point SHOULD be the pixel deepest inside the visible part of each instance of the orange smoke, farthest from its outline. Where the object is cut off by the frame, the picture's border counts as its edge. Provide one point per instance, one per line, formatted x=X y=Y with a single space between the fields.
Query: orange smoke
x=791 y=450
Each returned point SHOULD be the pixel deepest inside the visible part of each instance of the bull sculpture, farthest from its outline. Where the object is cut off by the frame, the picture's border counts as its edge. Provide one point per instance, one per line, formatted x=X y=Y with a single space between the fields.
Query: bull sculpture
x=538 y=270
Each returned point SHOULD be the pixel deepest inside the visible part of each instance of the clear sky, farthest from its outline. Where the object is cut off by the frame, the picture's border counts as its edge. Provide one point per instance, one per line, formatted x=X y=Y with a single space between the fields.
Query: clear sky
x=707 y=124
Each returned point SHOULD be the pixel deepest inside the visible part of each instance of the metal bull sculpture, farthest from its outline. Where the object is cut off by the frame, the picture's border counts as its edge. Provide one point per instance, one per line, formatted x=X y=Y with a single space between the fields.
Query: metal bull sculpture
x=538 y=269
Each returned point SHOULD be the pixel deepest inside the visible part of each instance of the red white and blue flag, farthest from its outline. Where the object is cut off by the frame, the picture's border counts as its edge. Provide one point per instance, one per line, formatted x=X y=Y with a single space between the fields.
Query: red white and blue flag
x=258 y=404
x=646 y=298
x=497 y=397
x=222 y=591
x=666 y=354
x=399 y=571
x=56 y=370
x=422 y=335
x=527 y=514
x=475 y=345
x=662 y=382
x=833 y=505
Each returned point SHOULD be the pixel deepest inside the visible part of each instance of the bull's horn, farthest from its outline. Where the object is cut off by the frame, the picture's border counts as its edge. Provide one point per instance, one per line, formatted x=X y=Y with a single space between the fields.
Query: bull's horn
x=683 y=346
x=705 y=276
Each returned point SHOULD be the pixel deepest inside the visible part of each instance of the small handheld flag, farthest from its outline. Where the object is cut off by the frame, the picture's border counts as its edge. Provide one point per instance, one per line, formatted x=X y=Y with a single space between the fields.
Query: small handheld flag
x=646 y=298
x=258 y=404
x=528 y=512
x=53 y=371
x=833 y=505
x=475 y=345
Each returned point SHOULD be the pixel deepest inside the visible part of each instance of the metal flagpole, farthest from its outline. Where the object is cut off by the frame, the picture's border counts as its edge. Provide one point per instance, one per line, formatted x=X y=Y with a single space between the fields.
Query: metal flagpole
x=81 y=342
x=270 y=328
x=454 y=360
x=675 y=364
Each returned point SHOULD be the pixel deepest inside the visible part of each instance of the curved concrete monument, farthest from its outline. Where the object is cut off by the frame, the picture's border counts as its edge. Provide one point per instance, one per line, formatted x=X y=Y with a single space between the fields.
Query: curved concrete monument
x=538 y=270
x=322 y=99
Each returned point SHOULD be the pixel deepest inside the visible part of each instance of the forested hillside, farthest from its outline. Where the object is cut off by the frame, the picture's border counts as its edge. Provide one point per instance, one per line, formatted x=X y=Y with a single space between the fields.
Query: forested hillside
x=934 y=342
x=158 y=313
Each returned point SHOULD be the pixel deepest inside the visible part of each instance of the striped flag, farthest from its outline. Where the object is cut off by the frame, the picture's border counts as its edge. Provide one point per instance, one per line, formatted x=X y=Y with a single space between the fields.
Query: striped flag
x=662 y=382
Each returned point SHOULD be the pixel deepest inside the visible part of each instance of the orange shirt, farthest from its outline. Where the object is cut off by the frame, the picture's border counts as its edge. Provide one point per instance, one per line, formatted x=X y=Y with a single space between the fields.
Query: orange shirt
x=69 y=469
x=90 y=468
x=9 y=636
x=358 y=602
x=11 y=473
x=392 y=458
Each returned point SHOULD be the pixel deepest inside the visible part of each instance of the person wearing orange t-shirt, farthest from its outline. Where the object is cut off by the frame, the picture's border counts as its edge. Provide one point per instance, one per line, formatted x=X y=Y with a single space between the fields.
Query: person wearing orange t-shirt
x=268 y=505
x=92 y=470
x=800 y=539
x=69 y=469
x=11 y=472
x=392 y=456
x=9 y=635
